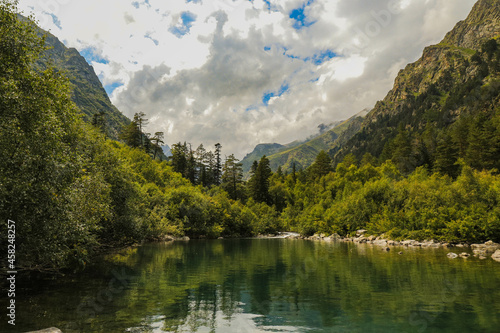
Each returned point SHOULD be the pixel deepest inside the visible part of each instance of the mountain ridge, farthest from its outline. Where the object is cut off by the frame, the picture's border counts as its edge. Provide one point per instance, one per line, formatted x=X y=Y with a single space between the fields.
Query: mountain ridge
x=434 y=91
x=88 y=92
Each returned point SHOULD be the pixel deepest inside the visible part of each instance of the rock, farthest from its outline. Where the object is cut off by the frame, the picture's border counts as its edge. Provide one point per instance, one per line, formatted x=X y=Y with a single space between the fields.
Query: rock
x=459 y=245
x=496 y=256
x=410 y=242
x=185 y=238
x=220 y=238
x=380 y=242
x=372 y=238
x=482 y=257
x=400 y=252
x=360 y=232
x=452 y=255
x=464 y=255
x=47 y=330
x=387 y=249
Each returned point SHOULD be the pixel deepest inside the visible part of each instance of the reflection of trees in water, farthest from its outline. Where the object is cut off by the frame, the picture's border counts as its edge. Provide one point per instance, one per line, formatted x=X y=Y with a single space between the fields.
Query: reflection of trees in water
x=285 y=283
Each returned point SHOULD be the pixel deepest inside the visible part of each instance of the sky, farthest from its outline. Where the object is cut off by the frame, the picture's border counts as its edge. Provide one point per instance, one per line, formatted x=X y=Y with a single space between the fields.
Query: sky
x=242 y=72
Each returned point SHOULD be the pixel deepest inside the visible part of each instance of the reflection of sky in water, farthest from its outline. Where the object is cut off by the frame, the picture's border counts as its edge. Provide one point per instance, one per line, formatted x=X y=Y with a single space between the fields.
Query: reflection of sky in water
x=207 y=321
x=270 y=285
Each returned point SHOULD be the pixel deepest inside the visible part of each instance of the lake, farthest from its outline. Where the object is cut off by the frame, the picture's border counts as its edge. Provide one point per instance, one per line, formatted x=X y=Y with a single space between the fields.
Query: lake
x=267 y=285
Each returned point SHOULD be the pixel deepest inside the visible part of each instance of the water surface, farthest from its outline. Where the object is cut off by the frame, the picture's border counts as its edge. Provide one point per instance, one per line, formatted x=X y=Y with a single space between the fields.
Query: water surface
x=268 y=285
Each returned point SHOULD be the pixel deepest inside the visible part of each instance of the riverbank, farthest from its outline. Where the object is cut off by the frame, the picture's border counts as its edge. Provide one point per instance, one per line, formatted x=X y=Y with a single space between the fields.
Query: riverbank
x=483 y=251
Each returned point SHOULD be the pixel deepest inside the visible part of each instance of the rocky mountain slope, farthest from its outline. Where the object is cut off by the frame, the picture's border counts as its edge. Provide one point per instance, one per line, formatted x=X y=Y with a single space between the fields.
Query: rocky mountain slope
x=457 y=78
x=88 y=92
x=304 y=153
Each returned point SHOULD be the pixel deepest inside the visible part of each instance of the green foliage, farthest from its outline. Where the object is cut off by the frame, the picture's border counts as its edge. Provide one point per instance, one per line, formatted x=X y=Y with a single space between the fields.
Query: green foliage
x=73 y=193
x=421 y=206
x=259 y=182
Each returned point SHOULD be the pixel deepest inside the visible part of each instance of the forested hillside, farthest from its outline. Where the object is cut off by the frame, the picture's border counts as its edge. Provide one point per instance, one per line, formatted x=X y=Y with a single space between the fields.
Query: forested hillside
x=444 y=107
x=71 y=192
x=302 y=154
x=424 y=163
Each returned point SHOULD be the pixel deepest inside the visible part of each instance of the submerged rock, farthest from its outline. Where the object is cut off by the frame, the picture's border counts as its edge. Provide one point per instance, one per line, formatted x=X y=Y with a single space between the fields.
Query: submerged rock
x=452 y=255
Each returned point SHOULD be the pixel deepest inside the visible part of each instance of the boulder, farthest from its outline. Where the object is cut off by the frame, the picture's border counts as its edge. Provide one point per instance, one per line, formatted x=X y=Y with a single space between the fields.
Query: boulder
x=496 y=256
x=360 y=232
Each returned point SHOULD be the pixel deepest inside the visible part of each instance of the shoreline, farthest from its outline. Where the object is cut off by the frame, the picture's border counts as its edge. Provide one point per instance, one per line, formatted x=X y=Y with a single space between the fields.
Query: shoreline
x=482 y=251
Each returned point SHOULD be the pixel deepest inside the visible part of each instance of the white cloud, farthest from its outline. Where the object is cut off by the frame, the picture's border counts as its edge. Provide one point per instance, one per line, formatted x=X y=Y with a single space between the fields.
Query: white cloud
x=205 y=83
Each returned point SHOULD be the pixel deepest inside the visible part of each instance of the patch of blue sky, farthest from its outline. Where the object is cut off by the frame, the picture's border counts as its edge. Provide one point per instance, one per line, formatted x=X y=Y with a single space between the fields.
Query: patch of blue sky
x=148 y=36
x=56 y=20
x=270 y=94
x=300 y=17
x=137 y=4
x=270 y=7
x=187 y=22
x=90 y=55
x=251 y=108
x=321 y=57
x=112 y=87
x=193 y=1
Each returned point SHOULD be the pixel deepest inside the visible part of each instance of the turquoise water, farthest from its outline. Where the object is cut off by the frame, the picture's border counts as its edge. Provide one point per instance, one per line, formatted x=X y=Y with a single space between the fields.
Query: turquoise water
x=267 y=285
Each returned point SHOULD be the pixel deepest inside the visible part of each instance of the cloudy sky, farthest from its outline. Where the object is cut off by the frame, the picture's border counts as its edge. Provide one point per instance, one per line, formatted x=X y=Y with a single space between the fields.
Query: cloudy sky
x=246 y=72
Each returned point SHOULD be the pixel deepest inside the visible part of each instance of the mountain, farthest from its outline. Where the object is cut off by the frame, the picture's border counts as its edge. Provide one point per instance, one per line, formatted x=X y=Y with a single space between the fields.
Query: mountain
x=304 y=153
x=88 y=92
x=437 y=100
x=262 y=149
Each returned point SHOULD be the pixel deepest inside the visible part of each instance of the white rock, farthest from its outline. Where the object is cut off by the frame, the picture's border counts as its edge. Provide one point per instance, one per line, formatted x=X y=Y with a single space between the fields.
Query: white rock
x=496 y=256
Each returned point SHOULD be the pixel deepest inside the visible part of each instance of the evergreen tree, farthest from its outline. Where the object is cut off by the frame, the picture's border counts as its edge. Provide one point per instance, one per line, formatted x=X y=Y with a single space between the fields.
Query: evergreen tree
x=131 y=135
x=446 y=157
x=157 y=141
x=321 y=166
x=483 y=151
x=210 y=173
x=402 y=153
x=99 y=122
x=179 y=158
x=218 y=164
x=232 y=177
x=260 y=181
x=141 y=121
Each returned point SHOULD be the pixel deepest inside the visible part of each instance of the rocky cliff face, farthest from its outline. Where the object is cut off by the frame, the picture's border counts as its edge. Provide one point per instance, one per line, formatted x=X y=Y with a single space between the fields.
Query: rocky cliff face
x=88 y=92
x=481 y=24
x=428 y=91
